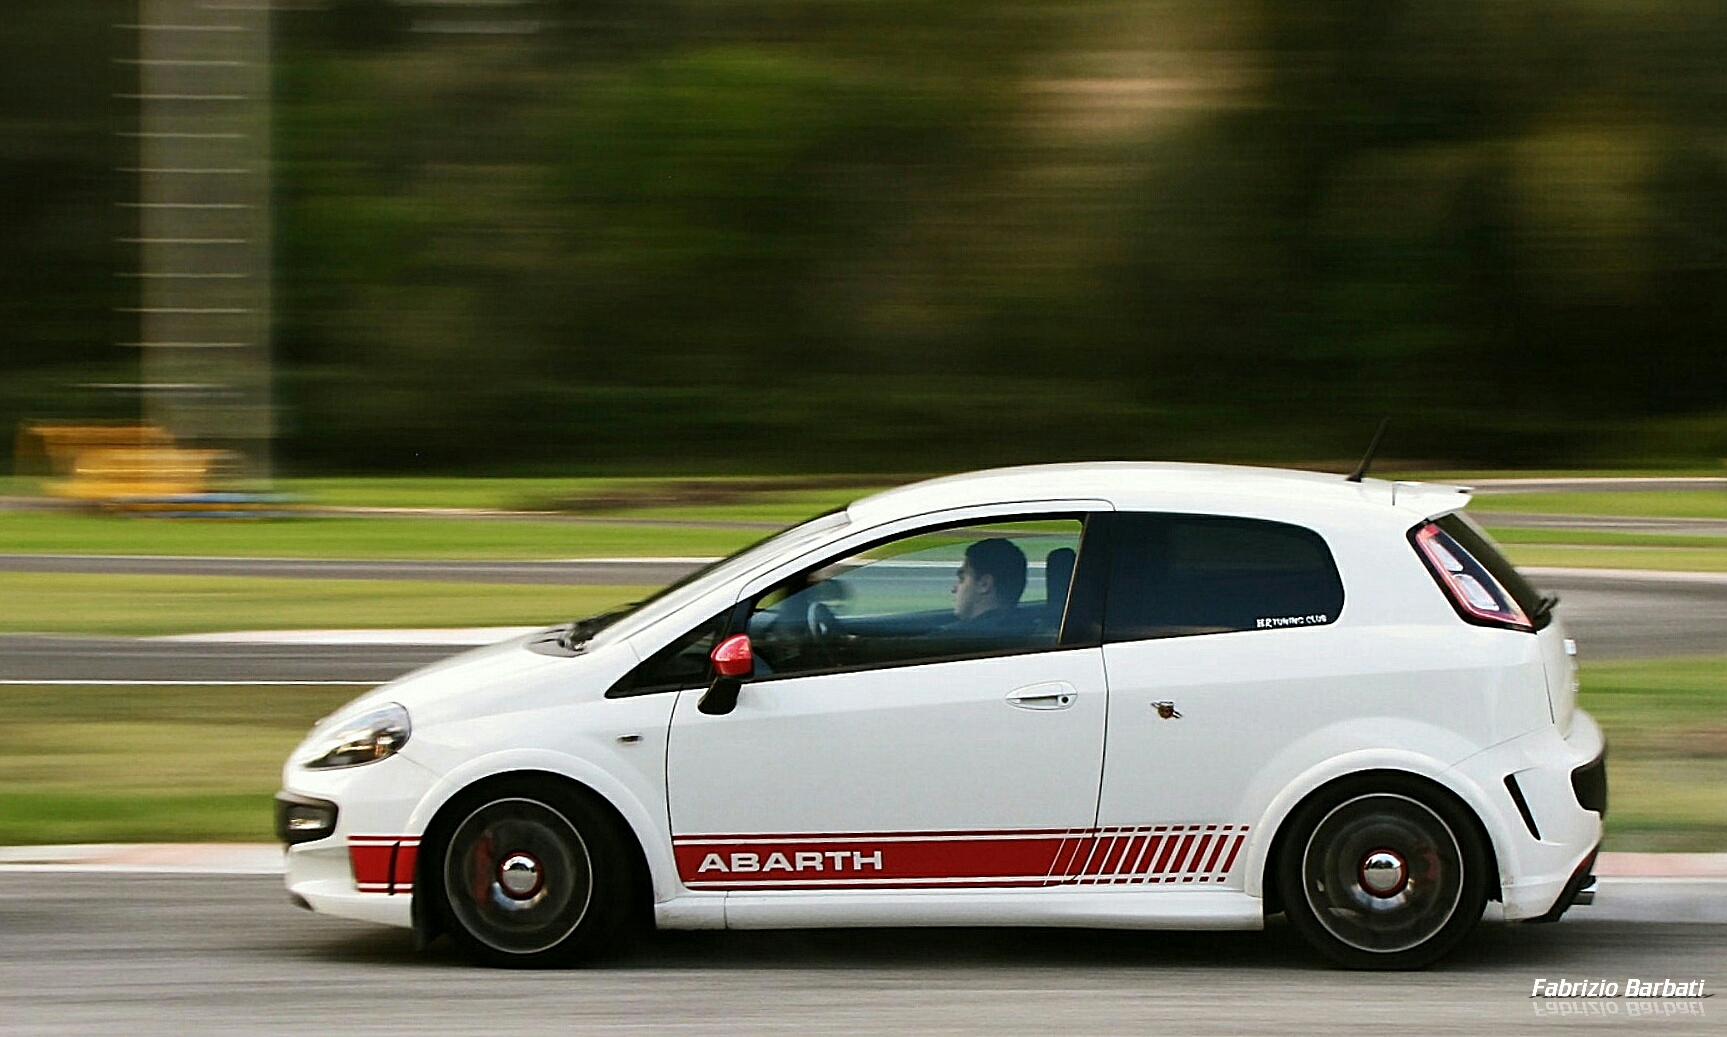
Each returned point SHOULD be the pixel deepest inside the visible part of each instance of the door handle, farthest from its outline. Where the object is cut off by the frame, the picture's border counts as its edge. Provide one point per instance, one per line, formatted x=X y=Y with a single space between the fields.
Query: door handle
x=1049 y=695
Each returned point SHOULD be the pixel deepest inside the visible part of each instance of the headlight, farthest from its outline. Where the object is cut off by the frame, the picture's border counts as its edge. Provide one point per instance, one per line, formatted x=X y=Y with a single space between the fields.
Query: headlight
x=366 y=738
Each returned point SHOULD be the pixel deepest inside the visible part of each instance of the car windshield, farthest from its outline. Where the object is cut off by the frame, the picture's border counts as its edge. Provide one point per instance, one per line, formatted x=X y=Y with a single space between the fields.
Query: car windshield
x=674 y=596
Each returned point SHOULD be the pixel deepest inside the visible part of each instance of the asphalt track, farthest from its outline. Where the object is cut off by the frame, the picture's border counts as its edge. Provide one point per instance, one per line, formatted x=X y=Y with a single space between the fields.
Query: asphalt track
x=109 y=954
x=1612 y=616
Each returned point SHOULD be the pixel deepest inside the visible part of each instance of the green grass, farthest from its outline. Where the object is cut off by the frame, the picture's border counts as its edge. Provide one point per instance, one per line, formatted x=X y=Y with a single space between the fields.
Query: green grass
x=1507 y=535
x=1706 y=504
x=1579 y=556
x=150 y=605
x=59 y=533
x=98 y=764
x=1666 y=724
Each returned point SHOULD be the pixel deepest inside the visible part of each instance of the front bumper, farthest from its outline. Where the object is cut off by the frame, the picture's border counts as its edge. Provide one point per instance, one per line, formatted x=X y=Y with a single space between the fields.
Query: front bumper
x=363 y=864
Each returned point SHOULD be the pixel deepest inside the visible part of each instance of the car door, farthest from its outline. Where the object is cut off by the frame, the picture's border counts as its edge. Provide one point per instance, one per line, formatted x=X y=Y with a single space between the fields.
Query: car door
x=886 y=742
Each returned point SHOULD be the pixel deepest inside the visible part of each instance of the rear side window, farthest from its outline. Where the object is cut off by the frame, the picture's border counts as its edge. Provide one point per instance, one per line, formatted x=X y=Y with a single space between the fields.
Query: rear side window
x=1481 y=583
x=1182 y=575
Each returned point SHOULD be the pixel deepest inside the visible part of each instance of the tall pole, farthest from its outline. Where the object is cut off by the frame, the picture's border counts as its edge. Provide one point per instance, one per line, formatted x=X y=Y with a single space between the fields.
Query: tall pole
x=204 y=224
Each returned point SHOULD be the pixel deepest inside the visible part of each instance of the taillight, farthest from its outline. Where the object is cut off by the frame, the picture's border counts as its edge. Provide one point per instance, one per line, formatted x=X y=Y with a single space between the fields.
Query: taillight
x=1474 y=592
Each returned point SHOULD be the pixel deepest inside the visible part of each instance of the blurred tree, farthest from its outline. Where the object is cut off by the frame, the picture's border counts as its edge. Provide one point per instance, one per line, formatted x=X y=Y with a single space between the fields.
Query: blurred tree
x=917 y=233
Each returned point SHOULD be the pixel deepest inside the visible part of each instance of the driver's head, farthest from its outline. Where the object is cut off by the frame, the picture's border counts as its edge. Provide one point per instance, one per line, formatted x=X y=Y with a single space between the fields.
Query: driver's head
x=992 y=577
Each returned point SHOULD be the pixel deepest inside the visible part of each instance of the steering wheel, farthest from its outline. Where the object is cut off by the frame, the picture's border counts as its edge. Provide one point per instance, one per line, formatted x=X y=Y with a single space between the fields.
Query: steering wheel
x=823 y=630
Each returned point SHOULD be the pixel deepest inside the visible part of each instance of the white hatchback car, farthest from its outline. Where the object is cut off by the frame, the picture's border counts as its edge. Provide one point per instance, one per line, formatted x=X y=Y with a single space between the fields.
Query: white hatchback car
x=1115 y=694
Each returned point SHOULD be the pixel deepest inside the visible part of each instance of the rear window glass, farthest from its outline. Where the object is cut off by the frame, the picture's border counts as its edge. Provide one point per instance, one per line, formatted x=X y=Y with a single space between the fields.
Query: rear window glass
x=1181 y=575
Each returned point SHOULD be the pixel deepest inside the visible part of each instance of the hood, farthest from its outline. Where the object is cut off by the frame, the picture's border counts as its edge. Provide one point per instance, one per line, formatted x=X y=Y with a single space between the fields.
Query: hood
x=501 y=678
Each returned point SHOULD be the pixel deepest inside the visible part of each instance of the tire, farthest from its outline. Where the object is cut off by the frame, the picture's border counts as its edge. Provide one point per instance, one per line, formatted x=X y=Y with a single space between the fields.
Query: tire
x=1383 y=872
x=531 y=874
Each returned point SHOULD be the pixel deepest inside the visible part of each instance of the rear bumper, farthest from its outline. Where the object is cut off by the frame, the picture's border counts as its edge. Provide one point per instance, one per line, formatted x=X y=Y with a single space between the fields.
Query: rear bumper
x=1580 y=891
x=1546 y=846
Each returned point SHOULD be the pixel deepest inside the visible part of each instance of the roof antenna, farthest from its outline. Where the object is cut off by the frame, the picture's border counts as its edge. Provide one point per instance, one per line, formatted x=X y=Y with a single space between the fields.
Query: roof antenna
x=1360 y=472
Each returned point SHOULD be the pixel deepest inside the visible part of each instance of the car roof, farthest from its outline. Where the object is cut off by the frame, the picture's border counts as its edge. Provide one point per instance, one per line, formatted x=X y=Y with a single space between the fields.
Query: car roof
x=1151 y=485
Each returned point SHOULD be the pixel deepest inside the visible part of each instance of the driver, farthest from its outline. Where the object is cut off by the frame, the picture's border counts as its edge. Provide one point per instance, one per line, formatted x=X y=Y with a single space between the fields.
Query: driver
x=987 y=589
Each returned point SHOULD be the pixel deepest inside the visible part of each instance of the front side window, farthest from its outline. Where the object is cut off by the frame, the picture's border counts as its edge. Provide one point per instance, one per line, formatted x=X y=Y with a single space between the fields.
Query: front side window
x=681 y=664
x=980 y=589
x=1181 y=575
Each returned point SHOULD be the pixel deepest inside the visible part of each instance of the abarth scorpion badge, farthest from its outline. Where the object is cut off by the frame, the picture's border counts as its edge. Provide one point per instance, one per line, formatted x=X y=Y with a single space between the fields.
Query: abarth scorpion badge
x=1166 y=710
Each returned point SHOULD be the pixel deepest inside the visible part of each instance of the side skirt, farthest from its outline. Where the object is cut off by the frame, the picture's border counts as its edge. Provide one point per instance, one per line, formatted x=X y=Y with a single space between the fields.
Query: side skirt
x=1065 y=907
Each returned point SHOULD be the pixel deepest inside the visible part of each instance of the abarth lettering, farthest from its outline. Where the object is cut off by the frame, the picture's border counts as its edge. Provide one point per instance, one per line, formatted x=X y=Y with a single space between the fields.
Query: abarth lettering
x=831 y=860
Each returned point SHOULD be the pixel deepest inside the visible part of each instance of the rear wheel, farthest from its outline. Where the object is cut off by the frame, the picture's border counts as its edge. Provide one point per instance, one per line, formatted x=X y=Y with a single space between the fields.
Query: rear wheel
x=533 y=876
x=1383 y=874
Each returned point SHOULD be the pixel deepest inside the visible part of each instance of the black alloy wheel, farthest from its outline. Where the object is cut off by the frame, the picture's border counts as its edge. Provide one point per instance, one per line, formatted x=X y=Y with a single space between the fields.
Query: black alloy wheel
x=534 y=876
x=1383 y=873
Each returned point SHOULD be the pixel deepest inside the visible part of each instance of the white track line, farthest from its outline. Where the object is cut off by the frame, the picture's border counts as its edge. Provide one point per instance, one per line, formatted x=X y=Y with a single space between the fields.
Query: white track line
x=62 y=683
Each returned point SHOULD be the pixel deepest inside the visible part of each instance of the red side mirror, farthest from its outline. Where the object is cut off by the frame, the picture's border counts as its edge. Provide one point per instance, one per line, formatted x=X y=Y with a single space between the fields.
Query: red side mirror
x=732 y=657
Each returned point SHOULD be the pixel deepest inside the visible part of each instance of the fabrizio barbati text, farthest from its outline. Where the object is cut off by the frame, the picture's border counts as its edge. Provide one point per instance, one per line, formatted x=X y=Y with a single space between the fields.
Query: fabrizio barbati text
x=1632 y=987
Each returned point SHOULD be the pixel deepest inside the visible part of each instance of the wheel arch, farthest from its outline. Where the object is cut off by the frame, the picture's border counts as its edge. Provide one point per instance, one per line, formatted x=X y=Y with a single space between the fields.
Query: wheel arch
x=1441 y=782
x=432 y=818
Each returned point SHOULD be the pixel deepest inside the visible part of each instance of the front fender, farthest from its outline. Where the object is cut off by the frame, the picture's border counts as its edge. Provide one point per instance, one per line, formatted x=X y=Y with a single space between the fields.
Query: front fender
x=647 y=820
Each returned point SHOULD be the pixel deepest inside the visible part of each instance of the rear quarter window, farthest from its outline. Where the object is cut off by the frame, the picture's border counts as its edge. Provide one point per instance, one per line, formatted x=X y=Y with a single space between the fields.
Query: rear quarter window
x=1184 y=575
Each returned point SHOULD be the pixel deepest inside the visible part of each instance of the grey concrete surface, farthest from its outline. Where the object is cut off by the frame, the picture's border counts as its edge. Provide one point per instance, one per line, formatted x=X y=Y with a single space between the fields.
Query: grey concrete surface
x=1639 y=615
x=34 y=657
x=116 y=954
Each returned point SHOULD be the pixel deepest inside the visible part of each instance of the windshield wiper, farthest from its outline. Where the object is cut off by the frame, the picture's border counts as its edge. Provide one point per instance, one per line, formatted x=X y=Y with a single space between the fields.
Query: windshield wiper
x=1544 y=607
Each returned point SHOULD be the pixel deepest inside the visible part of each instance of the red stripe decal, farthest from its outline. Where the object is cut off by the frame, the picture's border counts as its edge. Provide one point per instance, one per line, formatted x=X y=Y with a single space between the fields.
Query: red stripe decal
x=746 y=865
x=1149 y=857
x=1097 y=865
x=371 y=864
x=1120 y=860
x=1234 y=848
x=829 y=837
x=1169 y=845
x=1181 y=853
x=1044 y=857
x=1217 y=851
x=1129 y=858
x=1061 y=869
x=1199 y=852
x=402 y=881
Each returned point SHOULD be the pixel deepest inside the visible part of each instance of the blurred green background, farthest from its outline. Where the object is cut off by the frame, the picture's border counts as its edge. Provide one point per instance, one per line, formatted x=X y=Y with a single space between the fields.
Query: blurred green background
x=904 y=234
x=677 y=238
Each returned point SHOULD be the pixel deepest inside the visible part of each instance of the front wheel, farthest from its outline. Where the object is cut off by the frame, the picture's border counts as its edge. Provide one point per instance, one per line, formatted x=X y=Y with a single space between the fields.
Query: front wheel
x=533 y=876
x=1383 y=874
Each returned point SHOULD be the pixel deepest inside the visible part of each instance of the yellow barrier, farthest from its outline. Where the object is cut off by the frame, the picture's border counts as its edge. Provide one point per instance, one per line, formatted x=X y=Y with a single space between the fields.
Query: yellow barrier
x=119 y=474
x=119 y=465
